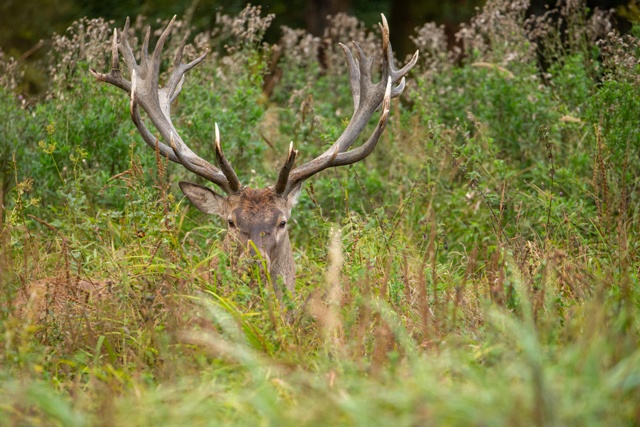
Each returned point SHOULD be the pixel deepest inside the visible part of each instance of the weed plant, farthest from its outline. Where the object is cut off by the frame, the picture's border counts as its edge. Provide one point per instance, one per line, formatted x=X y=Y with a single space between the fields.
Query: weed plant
x=479 y=268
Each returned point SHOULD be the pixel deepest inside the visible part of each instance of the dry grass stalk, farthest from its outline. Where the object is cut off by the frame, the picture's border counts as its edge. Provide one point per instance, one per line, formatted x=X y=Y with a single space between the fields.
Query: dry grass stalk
x=383 y=343
x=599 y=181
x=489 y=66
x=363 y=321
x=327 y=314
x=56 y=297
x=423 y=298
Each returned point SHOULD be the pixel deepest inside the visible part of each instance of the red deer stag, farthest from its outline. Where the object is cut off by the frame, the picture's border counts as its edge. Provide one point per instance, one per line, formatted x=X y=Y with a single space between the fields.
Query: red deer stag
x=256 y=218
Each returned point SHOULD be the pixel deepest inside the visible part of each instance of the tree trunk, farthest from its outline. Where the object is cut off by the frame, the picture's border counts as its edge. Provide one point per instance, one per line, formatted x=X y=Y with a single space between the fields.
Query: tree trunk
x=317 y=11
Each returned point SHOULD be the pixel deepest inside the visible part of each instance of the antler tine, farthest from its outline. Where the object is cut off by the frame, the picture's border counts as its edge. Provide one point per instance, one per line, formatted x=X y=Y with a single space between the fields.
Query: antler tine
x=115 y=60
x=125 y=49
x=367 y=97
x=144 y=51
x=114 y=76
x=354 y=76
x=388 y=60
x=283 y=176
x=199 y=166
x=225 y=166
x=177 y=59
x=174 y=85
x=156 y=59
x=404 y=70
x=311 y=168
x=397 y=91
x=365 y=64
x=387 y=56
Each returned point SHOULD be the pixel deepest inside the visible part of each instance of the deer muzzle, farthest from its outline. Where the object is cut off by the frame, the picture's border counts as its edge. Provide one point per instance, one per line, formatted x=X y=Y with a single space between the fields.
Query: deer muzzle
x=257 y=253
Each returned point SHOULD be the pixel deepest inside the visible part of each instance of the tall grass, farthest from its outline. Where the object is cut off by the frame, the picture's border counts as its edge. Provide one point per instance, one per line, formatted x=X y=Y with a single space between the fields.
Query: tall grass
x=481 y=267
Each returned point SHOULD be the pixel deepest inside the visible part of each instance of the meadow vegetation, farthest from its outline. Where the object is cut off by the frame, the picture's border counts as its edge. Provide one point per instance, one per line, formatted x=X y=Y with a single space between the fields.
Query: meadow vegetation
x=479 y=268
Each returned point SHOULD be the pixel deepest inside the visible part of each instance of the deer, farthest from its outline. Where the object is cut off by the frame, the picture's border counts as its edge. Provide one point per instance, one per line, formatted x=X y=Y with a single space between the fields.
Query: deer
x=257 y=218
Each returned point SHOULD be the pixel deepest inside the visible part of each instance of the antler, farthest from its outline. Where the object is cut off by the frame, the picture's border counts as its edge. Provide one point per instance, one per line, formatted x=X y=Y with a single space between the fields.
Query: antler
x=367 y=97
x=156 y=102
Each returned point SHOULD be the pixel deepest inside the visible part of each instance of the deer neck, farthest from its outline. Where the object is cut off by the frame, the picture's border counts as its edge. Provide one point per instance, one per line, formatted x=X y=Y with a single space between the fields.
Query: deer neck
x=283 y=268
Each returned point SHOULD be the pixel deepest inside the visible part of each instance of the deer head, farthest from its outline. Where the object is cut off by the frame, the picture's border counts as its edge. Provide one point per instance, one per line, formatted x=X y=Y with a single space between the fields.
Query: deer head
x=256 y=218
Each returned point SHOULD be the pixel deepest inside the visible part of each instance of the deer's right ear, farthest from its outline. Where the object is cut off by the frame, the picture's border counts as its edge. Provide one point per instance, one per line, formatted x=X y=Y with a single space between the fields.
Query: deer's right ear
x=208 y=201
x=293 y=196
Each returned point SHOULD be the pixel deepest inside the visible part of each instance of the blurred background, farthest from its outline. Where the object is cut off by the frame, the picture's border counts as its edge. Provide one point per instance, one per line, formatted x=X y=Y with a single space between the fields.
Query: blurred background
x=26 y=27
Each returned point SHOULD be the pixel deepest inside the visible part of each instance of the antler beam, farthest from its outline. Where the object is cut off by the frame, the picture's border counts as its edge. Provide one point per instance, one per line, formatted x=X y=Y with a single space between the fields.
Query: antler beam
x=156 y=101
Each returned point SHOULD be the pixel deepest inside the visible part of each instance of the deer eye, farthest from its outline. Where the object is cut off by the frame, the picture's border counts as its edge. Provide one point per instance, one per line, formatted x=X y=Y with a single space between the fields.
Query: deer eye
x=232 y=224
x=282 y=224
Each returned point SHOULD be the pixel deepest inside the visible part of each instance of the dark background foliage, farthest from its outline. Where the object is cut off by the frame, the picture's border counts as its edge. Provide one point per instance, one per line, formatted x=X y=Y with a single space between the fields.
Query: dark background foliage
x=26 y=27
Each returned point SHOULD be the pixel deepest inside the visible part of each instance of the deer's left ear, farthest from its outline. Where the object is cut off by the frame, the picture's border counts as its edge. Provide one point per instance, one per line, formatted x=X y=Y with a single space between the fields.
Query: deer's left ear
x=293 y=196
